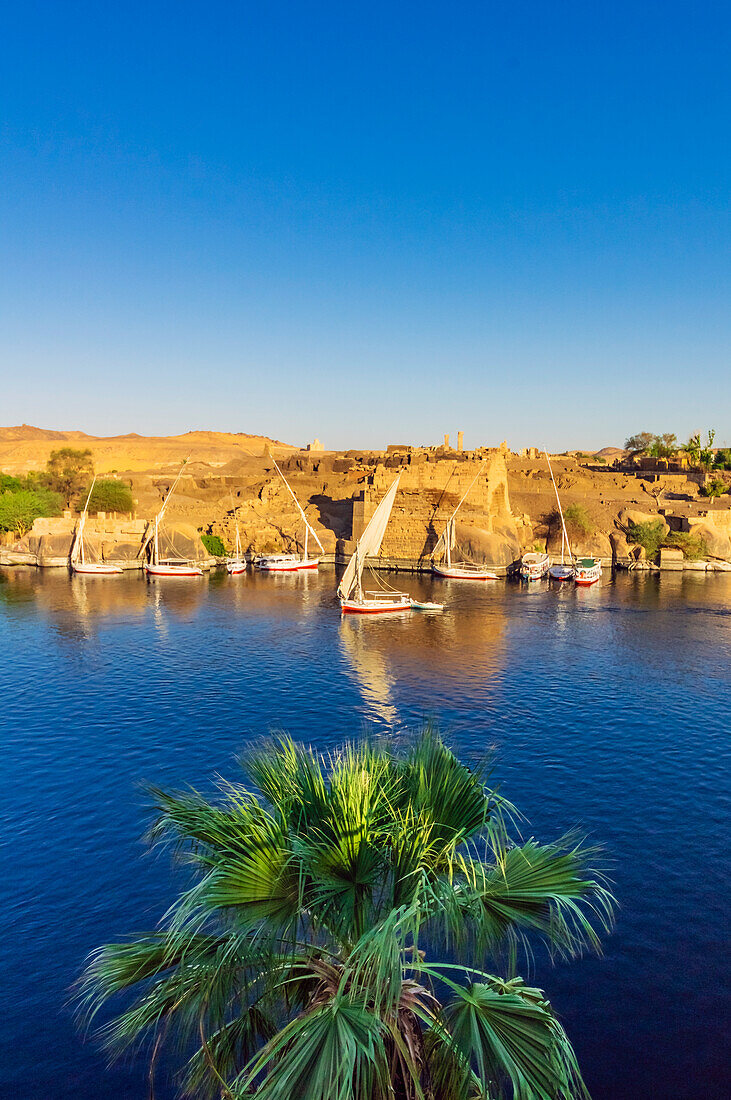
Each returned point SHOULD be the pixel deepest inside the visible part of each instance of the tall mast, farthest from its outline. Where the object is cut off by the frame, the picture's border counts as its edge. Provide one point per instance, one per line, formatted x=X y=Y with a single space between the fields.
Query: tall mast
x=564 y=532
x=447 y=530
x=237 y=551
x=78 y=547
x=161 y=513
x=299 y=506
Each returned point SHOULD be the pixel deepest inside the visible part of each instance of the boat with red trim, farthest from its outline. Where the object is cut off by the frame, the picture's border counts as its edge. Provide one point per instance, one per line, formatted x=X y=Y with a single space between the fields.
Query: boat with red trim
x=587 y=571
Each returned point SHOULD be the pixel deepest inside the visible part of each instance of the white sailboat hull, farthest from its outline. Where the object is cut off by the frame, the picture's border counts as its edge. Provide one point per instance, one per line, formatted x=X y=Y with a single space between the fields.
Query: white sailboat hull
x=172 y=569
x=235 y=566
x=463 y=572
x=371 y=604
x=284 y=563
x=95 y=568
x=561 y=572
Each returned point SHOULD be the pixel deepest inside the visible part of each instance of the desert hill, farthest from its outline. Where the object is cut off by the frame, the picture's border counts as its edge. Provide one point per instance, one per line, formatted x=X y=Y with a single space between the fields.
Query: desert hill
x=24 y=448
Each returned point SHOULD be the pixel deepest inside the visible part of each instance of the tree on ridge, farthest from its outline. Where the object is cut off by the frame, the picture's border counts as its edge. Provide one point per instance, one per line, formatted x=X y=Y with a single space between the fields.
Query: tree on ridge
x=67 y=472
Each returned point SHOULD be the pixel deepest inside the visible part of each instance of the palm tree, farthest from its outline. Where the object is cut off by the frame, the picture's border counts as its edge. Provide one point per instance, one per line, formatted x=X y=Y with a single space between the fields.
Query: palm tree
x=334 y=942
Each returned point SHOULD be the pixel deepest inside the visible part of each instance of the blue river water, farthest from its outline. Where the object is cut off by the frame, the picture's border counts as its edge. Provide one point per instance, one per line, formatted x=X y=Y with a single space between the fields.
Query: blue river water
x=609 y=711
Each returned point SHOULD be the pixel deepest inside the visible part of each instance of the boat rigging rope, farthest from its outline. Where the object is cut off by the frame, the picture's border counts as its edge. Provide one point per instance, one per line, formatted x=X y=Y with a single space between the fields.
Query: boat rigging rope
x=383 y=585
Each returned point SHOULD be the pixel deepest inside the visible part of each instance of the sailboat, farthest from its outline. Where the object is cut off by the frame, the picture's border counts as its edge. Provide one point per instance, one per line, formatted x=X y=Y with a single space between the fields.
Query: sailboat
x=168 y=567
x=236 y=564
x=458 y=570
x=78 y=561
x=562 y=572
x=353 y=600
x=290 y=563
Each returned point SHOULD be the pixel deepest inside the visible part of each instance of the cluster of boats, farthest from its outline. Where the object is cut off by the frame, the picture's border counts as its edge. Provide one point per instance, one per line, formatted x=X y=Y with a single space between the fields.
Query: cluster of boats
x=354 y=599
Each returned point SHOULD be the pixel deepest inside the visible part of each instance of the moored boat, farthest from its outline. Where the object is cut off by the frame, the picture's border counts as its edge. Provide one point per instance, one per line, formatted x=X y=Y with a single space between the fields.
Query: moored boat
x=458 y=570
x=353 y=600
x=376 y=602
x=587 y=571
x=236 y=564
x=463 y=572
x=290 y=563
x=173 y=567
x=156 y=566
x=285 y=563
x=77 y=557
x=562 y=572
x=534 y=566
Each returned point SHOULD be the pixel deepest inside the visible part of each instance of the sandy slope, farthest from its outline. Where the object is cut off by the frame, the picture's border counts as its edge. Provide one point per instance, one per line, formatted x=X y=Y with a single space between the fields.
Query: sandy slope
x=26 y=448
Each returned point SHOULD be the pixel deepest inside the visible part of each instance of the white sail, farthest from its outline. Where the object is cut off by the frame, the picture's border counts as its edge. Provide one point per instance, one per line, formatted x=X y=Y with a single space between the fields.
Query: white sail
x=368 y=544
x=308 y=525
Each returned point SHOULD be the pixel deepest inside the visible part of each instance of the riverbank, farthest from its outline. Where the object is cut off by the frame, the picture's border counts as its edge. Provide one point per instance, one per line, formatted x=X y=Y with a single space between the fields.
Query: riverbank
x=509 y=503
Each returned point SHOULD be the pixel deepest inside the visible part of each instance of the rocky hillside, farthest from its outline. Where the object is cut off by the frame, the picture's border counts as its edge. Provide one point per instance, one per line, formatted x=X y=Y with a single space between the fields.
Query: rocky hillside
x=510 y=507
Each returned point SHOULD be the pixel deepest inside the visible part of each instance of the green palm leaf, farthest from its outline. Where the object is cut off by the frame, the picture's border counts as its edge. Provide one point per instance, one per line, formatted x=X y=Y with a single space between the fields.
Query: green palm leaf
x=336 y=1052
x=507 y=1032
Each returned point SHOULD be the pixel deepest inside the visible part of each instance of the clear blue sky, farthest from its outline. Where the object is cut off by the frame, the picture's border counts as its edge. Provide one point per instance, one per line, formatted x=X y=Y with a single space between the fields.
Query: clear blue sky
x=367 y=222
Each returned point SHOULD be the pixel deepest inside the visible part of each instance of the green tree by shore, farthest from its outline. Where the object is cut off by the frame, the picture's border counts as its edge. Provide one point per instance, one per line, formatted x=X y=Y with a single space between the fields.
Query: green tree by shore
x=352 y=933
x=108 y=495
x=19 y=508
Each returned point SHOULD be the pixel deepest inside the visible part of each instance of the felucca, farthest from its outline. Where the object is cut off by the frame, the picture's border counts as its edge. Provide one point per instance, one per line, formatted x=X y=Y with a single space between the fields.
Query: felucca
x=236 y=564
x=78 y=561
x=353 y=600
x=458 y=570
x=562 y=572
x=290 y=563
x=168 y=567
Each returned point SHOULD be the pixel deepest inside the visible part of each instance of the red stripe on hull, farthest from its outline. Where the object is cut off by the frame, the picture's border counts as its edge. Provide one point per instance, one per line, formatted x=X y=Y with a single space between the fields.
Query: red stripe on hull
x=176 y=573
x=286 y=568
x=465 y=576
x=374 y=610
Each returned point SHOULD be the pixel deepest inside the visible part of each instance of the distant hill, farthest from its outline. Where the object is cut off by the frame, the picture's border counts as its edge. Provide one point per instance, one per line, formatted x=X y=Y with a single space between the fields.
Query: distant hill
x=25 y=447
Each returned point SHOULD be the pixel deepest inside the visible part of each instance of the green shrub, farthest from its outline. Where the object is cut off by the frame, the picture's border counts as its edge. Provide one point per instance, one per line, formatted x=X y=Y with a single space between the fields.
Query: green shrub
x=18 y=510
x=694 y=547
x=578 y=521
x=10 y=484
x=109 y=495
x=214 y=545
x=650 y=535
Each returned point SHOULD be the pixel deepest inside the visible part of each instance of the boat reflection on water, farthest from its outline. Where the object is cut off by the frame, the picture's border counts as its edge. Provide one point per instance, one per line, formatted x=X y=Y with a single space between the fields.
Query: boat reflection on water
x=425 y=653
